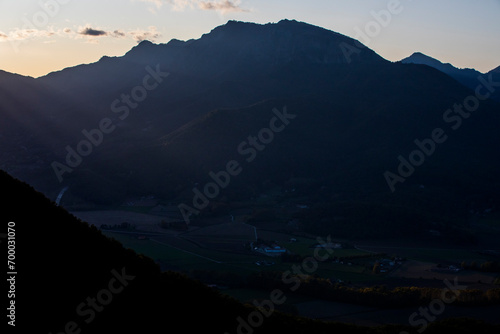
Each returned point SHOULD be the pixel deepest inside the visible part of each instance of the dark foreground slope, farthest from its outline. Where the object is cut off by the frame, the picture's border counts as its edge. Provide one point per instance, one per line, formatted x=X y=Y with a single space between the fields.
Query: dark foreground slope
x=72 y=279
x=61 y=262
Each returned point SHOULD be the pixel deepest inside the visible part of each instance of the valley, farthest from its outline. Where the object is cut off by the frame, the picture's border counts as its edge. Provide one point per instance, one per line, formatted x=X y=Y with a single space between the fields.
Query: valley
x=216 y=249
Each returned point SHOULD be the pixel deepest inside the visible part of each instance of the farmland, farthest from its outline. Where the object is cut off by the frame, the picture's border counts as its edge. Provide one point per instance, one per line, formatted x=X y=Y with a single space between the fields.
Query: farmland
x=224 y=245
x=218 y=252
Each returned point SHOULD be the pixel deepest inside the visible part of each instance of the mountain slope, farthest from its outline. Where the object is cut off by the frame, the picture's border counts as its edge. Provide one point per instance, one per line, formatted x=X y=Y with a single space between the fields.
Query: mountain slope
x=420 y=58
x=342 y=146
x=63 y=264
x=467 y=77
x=496 y=70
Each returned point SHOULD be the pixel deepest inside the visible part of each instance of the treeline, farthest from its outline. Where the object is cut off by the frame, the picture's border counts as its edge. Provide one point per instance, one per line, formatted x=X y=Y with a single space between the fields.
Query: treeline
x=488 y=267
x=321 y=288
x=376 y=296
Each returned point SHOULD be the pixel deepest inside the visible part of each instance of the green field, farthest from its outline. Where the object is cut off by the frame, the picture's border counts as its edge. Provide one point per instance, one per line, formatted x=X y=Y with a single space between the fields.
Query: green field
x=221 y=249
x=186 y=256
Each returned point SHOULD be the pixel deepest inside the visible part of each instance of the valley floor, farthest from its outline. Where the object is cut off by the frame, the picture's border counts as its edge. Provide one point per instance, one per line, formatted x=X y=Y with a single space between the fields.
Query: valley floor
x=221 y=246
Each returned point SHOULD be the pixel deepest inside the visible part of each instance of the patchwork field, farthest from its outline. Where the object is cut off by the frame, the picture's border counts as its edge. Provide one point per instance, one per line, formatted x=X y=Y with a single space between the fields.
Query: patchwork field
x=224 y=247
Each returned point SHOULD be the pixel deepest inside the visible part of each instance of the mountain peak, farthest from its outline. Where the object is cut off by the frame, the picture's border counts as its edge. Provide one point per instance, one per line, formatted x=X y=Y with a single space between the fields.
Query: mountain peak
x=284 y=42
x=236 y=22
x=420 y=58
x=232 y=25
x=145 y=44
x=144 y=48
x=291 y=22
x=466 y=76
x=423 y=59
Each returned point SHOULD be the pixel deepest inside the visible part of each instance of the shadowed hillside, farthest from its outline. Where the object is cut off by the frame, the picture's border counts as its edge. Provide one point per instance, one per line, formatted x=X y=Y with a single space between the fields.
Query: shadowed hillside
x=62 y=261
x=67 y=268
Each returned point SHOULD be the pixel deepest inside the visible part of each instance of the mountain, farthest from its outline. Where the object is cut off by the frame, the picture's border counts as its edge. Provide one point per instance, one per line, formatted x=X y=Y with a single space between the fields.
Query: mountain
x=204 y=74
x=29 y=128
x=356 y=114
x=420 y=58
x=342 y=147
x=226 y=49
x=468 y=77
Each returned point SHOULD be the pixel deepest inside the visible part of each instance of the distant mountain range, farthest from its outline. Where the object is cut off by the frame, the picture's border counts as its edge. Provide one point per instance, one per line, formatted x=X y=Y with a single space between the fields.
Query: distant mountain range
x=466 y=76
x=170 y=114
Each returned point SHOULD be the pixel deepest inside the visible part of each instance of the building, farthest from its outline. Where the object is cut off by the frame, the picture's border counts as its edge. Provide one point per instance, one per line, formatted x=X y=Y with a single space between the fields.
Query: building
x=274 y=250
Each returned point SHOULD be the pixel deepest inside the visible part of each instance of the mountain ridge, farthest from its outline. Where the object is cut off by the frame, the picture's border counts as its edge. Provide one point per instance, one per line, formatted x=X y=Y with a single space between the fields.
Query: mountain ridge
x=495 y=70
x=468 y=77
x=248 y=33
x=357 y=118
x=421 y=58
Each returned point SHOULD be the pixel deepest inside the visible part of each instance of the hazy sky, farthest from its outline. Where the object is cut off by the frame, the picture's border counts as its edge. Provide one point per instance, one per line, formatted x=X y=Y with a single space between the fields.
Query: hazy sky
x=40 y=36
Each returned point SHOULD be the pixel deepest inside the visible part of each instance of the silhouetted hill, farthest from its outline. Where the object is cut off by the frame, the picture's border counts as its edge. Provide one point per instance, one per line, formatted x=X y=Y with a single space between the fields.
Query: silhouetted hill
x=420 y=58
x=466 y=76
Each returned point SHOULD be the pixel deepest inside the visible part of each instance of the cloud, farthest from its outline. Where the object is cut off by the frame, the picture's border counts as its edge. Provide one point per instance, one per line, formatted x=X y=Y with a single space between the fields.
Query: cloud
x=118 y=34
x=91 y=35
x=138 y=35
x=141 y=35
x=23 y=34
x=222 y=6
x=93 y=32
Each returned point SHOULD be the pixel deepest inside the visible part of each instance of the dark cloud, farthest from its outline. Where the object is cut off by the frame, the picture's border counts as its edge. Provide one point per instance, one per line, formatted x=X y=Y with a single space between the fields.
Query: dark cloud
x=93 y=32
x=118 y=33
